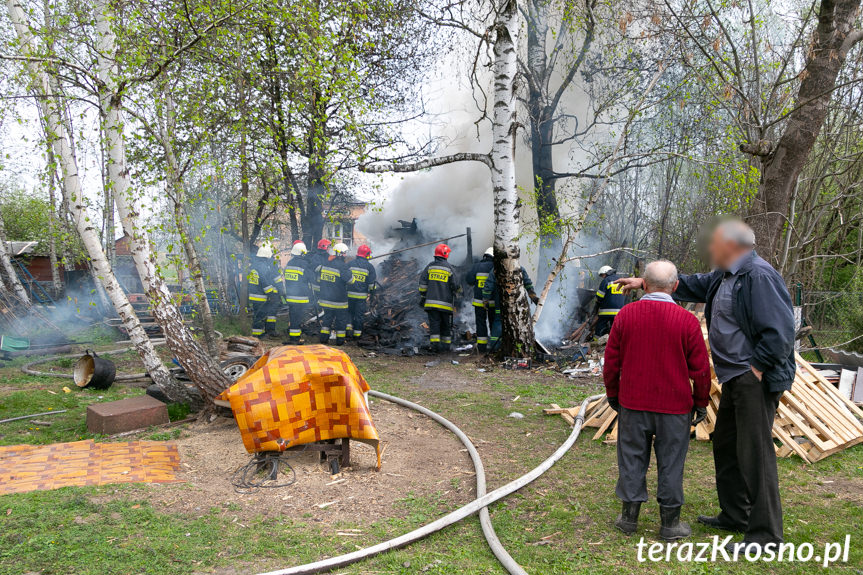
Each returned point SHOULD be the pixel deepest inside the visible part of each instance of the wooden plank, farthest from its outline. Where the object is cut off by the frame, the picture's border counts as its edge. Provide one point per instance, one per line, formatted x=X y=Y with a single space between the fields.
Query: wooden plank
x=856 y=411
x=857 y=389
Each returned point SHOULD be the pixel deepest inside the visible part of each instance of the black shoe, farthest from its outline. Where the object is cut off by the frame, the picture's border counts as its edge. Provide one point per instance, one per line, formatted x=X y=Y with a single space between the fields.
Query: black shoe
x=672 y=527
x=627 y=521
x=716 y=523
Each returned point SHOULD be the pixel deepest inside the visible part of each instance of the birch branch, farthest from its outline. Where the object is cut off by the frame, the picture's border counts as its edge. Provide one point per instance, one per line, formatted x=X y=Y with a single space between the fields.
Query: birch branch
x=425 y=164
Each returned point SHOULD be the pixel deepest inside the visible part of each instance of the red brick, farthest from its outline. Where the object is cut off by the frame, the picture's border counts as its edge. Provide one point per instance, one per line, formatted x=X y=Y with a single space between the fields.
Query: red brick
x=126 y=415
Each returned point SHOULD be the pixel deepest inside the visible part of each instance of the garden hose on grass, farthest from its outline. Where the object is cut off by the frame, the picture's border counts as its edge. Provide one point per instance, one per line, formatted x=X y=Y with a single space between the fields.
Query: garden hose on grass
x=455 y=516
x=28 y=367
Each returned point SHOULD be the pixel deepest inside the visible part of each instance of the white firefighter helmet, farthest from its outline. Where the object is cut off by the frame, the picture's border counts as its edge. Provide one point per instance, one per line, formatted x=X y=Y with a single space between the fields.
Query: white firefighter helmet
x=298 y=249
x=605 y=270
x=340 y=249
x=489 y=251
x=266 y=250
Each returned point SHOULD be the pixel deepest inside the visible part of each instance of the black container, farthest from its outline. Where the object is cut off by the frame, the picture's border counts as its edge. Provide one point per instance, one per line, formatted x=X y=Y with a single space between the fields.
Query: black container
x=94 y=372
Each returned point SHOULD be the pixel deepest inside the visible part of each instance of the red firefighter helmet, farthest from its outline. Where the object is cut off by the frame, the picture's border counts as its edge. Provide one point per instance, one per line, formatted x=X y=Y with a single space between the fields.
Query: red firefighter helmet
x=297 y=242
x=442 y=251
x=324 y=244
x=364 y=251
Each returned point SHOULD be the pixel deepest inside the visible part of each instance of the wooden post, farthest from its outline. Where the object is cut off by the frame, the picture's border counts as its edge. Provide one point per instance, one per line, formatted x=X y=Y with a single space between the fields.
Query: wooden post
x=469 y=247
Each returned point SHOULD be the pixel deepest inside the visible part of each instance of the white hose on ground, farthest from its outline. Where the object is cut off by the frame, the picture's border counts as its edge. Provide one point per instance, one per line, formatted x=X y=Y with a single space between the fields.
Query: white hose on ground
x=494 y=543
x=447 y=520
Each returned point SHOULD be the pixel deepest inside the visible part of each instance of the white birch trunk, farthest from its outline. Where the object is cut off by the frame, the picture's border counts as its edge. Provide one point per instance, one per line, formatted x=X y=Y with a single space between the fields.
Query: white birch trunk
x=515 y=312
x=58 y=132
x=202 y=370
x=12 y=276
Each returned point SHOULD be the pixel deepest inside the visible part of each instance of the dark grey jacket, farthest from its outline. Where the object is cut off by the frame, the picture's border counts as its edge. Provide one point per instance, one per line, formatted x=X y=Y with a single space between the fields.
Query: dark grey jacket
x=762 y=306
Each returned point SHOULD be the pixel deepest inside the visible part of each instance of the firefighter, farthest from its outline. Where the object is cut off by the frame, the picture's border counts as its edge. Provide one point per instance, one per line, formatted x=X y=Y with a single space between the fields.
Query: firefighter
x=297 y=277
x=365 y=283
x=609 y=299
x=263 y=293
x=491 y=302
x=319 y=257
x=477 y=277
x=438 y=289
x=334 y=277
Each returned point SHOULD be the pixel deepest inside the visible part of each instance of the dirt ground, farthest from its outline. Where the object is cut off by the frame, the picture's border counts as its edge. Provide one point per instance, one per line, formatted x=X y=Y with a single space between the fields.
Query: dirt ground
x=420 y=458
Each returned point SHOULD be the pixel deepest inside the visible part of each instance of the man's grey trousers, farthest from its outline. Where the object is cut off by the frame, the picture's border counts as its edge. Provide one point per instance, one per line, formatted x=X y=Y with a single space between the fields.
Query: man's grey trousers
x=668 y=434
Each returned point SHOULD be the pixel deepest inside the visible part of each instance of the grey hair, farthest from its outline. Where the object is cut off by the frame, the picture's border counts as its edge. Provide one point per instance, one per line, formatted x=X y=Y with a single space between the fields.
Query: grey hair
x=738 y=232
x=660 y=275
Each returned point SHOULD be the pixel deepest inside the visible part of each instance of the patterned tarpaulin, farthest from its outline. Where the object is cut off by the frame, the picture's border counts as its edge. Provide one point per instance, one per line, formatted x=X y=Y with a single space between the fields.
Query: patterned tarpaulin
x=41 y=467
x=296 y=395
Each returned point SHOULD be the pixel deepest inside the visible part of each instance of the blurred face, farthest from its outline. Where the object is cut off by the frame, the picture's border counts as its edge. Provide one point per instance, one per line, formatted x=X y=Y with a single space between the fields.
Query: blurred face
x=724 y=252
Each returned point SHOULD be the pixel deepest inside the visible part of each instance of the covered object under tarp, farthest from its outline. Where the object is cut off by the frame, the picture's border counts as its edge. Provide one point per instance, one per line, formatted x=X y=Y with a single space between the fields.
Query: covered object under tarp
x=296 y=395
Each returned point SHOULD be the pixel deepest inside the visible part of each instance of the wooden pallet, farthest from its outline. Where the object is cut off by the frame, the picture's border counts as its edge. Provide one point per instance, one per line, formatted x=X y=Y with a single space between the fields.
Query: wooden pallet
x=813 y=419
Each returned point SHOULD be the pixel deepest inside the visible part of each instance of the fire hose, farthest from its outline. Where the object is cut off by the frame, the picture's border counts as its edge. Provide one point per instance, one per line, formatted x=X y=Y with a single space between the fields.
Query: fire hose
x=477 y=505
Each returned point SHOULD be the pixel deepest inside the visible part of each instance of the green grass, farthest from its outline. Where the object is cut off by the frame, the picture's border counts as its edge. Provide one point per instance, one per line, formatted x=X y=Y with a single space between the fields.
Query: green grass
x=558 y=525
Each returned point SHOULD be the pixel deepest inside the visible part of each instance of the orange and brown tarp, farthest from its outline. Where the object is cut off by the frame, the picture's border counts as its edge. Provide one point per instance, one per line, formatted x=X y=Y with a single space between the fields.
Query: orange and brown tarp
x=41 y=467
x=295 y=395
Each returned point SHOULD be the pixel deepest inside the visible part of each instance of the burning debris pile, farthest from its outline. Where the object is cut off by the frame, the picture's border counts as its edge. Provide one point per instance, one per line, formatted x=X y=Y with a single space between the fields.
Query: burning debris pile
x=394 y=317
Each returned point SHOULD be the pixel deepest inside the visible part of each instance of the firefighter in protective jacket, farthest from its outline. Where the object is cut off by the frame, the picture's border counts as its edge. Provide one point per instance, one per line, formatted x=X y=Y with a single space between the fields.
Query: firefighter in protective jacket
x=609 y=299
x=334 y=277
x=477 y=277
x=263 y=293
x=365 y=282
x=438 y=288
x=297 y=276
x=491 y=301
x=320 y=256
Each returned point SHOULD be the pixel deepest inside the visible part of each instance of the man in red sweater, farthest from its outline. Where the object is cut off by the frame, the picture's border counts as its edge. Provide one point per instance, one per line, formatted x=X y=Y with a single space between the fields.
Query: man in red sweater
x=655 y=348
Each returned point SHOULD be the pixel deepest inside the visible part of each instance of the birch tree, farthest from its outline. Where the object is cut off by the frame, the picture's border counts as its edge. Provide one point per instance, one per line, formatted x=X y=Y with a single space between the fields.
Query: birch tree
x=202 y=369
x=503 y=36
x=11 y=275
x=58 y=133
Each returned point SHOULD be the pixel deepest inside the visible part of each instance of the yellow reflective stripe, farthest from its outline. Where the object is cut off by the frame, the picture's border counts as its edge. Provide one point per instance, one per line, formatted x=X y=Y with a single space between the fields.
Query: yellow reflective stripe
x=257 y=297
x=435 y=305
x=333 y=304
x=297 y=299
x=434 y=338
x=481 y=340
x=356 y=295
x=295 y=332
x=609 y=311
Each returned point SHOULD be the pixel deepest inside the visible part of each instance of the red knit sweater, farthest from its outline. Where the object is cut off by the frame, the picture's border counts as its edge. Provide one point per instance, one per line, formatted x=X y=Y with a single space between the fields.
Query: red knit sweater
x=654 y=349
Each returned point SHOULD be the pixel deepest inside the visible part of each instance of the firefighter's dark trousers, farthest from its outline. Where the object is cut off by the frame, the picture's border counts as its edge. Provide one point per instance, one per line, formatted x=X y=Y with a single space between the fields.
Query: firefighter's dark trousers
x=668 y=434
x=335 y=320
x=357 y=308
x=440 y=329
x=747 y=481
x=297 y=313
x=603 y=325
x=264 y=315
x=484 y=318
x=496 y=329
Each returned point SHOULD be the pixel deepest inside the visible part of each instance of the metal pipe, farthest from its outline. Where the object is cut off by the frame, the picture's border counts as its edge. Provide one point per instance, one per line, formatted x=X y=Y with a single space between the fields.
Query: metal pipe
x=417 y=246
x=449 y=519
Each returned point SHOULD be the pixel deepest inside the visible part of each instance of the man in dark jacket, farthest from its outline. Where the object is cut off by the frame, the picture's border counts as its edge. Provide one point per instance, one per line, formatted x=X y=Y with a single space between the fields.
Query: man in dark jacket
x=334 y=277
x=491 y=301
x=477 y=277
x=263 y=279
x=610 y=300
x=751 y=330
x=365 y=283
x=438 y=289
x=297 y=277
